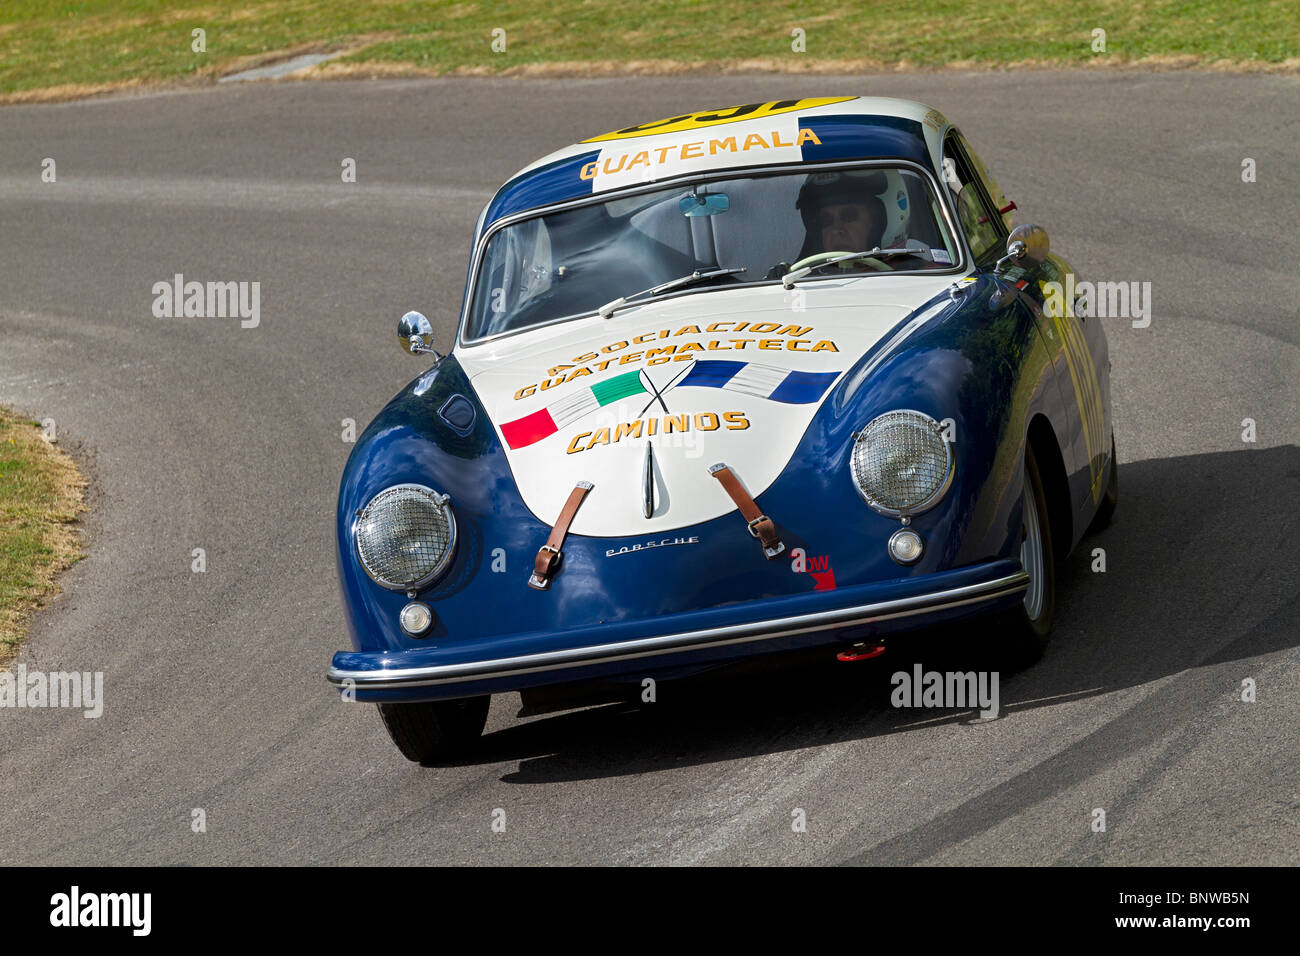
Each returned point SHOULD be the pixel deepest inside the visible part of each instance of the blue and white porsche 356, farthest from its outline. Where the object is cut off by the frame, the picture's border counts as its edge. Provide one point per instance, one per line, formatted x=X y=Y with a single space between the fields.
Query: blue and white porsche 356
x=736 y=382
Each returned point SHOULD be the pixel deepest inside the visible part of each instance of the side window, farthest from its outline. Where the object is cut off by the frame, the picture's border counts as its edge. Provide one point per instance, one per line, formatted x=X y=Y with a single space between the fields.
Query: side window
x=991 y=188
x=977 y=219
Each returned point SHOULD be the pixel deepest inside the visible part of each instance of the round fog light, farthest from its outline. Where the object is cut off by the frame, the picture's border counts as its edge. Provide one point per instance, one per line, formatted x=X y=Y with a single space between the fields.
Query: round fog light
x=905 y=546
x=415 y=618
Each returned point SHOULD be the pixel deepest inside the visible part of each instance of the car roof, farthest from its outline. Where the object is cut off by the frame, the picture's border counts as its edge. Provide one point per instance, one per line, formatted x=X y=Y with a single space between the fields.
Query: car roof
x=809 y=130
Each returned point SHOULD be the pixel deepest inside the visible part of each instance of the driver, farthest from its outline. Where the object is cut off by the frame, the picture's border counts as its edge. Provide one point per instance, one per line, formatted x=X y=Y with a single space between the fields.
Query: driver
x=841 y=212
x=847 y=225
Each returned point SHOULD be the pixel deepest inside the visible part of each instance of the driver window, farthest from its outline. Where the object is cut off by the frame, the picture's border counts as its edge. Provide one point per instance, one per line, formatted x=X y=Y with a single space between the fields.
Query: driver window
x=991 y=189
x=977 y=219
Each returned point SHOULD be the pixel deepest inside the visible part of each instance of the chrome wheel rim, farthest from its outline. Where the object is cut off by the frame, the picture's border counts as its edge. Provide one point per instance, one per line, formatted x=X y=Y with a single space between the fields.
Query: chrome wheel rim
x=1031 y=555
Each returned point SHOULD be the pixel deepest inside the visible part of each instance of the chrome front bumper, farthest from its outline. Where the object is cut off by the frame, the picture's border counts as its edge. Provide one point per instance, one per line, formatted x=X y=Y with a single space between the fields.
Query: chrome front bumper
x=683 y=642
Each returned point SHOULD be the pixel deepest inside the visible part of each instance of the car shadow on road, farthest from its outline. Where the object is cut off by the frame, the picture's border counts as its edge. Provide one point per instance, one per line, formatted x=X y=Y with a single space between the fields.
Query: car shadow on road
x=1200 y=571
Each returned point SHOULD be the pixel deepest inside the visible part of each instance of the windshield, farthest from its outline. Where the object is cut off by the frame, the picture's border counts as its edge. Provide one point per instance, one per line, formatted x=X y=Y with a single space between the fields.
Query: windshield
x=573 y=262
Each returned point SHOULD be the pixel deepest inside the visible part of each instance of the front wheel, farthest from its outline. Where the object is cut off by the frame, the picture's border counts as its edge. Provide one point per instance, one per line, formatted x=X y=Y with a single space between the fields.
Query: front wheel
x=436 y=730
x=1028 y=626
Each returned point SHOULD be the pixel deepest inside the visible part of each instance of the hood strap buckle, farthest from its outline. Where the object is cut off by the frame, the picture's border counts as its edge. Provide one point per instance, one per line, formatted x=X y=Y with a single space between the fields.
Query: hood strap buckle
x=551 y=554
x=760 y=525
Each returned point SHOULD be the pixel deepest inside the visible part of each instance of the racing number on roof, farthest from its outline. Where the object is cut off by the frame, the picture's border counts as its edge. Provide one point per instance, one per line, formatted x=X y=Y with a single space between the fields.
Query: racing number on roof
x=716 y=117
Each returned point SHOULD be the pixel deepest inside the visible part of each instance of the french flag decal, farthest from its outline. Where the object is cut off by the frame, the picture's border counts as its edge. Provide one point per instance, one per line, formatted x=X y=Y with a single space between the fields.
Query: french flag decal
x=762 y=381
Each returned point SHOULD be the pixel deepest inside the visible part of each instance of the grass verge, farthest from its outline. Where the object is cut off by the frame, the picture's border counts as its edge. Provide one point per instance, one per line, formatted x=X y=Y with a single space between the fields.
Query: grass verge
x=58 y=50
x=41 y=496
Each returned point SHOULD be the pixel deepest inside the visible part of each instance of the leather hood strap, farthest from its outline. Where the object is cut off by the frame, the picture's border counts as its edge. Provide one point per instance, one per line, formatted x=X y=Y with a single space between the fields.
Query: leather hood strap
x=760 y=525
x=551 y=553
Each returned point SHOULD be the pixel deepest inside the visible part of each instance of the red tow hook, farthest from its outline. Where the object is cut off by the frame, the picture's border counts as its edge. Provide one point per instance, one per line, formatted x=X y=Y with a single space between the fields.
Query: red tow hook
x=860 y=652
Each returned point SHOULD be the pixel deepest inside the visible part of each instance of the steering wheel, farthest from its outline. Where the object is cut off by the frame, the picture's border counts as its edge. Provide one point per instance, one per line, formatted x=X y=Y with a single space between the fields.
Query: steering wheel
x=826 y=256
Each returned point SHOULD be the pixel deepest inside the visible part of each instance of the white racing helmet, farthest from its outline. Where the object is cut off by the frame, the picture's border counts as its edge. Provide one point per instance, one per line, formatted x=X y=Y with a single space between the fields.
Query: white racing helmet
x=898 y=211
x=856 y=185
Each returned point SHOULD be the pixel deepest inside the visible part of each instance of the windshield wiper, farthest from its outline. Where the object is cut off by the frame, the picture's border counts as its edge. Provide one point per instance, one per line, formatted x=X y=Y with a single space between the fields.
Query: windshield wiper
x=788 y=280
x=609 y=308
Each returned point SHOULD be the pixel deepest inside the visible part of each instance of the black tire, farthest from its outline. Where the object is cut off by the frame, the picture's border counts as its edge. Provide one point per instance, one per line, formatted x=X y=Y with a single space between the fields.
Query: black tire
x=1027 y=627
x=432 y=731
x=1106 y=510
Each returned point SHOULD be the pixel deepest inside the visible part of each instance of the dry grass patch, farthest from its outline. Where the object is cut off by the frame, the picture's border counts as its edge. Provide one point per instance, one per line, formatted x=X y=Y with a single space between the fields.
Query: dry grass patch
x=41 y=498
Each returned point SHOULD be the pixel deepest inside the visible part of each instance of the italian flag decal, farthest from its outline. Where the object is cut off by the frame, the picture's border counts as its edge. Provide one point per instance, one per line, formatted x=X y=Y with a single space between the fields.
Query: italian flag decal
x=547 y=421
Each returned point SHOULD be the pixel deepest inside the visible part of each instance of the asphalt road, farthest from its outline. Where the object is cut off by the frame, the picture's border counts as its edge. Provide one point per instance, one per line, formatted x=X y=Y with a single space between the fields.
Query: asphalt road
x=201 y=434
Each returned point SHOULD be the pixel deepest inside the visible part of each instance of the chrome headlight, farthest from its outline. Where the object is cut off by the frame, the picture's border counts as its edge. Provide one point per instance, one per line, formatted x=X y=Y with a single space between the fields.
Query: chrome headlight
x=902 y=465
x=405 y=536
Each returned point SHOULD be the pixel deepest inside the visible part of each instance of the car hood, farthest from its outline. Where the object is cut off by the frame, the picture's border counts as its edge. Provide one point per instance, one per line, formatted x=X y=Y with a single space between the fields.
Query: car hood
x=733 y=376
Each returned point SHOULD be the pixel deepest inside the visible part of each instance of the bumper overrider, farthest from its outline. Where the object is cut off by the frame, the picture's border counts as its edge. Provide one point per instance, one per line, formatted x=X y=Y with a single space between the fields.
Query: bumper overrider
x=466 y=667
